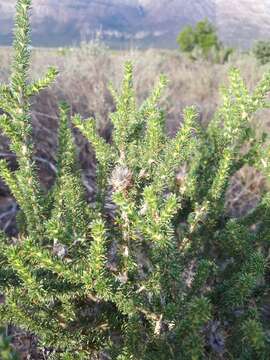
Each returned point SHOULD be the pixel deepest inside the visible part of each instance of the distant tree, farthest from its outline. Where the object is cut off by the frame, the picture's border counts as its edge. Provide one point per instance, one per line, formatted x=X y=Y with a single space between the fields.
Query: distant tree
x=261 y=50
x=200 y=41
x=206 y=37
x=187 y=39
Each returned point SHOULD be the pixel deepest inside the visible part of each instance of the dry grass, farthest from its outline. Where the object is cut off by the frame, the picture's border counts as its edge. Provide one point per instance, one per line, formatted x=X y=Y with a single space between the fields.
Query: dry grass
x=87 y=71
x=85 y=74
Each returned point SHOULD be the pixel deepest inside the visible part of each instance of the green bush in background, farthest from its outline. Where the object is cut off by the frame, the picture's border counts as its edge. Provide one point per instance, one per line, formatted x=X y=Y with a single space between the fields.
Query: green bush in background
x=202 y=42
x=153 y=268
x=261 y=50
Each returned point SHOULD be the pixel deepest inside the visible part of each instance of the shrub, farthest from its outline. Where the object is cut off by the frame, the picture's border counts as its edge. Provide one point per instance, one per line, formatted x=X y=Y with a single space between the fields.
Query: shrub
x=206 y=37
x=261 y=51
x=153 y=268
x=202 y=42
x=187 y=39
x=6 y=351
x=203 y=38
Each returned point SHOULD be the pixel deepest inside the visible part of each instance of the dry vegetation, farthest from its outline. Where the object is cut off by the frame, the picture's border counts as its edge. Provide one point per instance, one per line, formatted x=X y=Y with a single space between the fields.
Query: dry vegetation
x=85 y=74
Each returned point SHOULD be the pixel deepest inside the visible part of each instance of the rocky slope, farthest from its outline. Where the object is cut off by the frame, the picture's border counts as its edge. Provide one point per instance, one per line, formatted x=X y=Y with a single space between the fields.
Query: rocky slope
x=240 y=22
x=138 y=22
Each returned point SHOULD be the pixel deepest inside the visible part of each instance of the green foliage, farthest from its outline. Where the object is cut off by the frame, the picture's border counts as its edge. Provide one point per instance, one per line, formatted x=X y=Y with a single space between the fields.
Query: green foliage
x=202 y=37
x=187 y=39
x=206 y=36
x=6 y=351
x=149 y=268
x=202 y=42
x=261 y=50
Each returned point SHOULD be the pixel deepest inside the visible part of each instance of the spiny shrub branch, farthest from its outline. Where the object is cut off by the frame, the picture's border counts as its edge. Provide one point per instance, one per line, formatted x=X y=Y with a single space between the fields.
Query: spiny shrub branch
x=154 y=267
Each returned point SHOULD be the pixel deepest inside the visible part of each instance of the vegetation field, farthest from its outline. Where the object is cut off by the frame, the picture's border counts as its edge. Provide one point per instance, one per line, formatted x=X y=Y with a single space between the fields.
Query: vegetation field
x=83 y=81
x=134 y=201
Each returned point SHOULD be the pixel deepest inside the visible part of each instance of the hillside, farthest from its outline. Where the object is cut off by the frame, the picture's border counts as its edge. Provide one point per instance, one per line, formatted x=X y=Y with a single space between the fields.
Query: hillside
x=138 y=22
x=240 y=22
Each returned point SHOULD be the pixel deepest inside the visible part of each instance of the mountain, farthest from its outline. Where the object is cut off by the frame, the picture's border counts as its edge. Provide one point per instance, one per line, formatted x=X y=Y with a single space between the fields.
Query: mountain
x=240 y=22
x=138 y=22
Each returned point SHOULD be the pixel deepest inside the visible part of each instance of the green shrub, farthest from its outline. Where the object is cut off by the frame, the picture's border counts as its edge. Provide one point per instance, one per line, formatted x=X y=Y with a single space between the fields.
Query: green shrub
x=202 y=42
x=187 y=39
x=153 y=268
x=202 y=37
x=6 y=351
x=261 y=51
x=206 y=37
